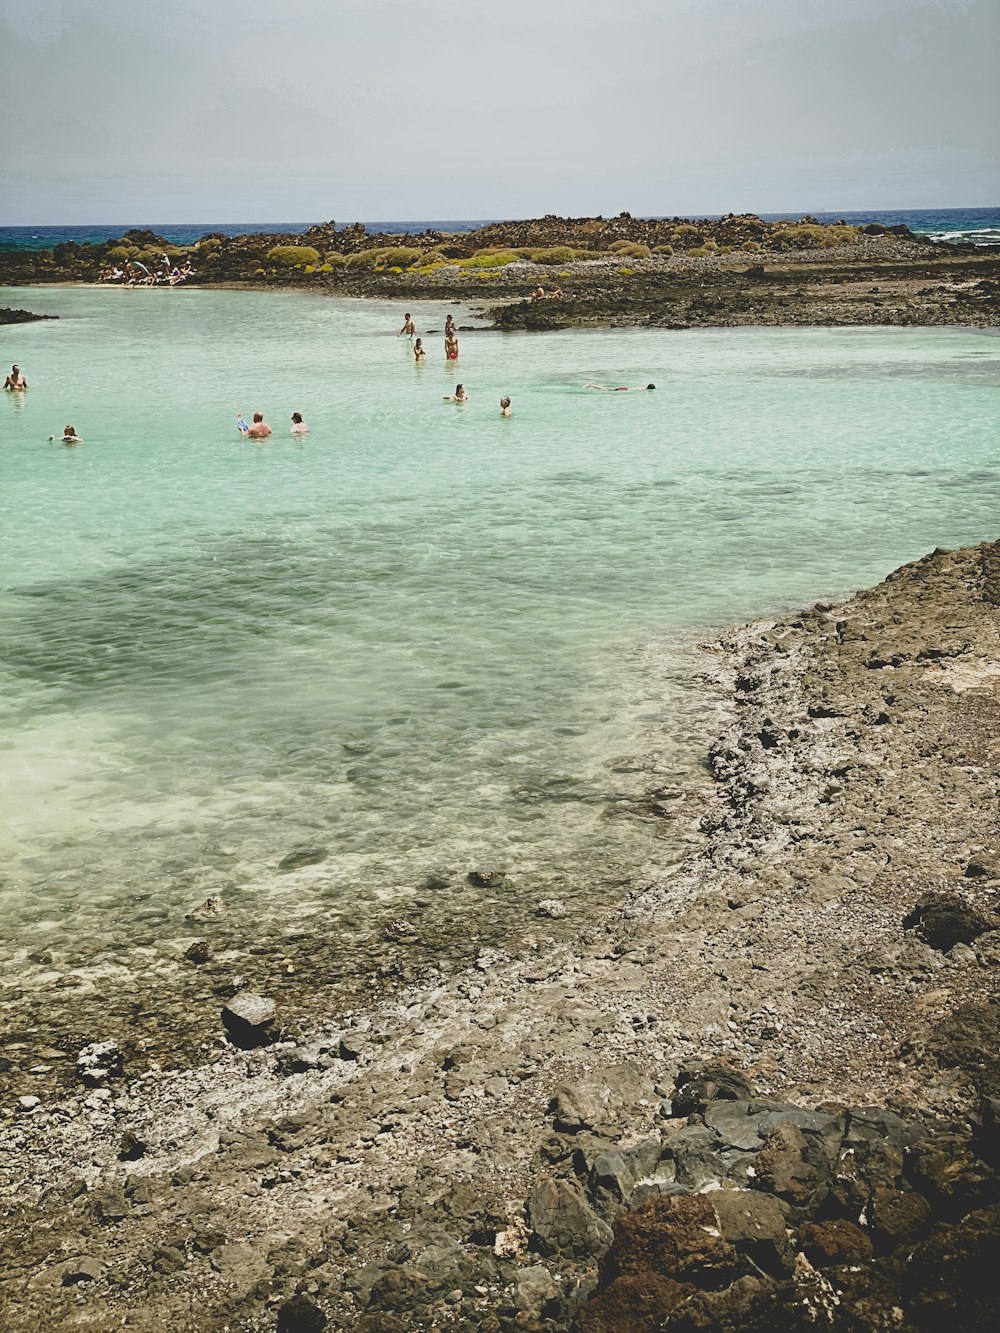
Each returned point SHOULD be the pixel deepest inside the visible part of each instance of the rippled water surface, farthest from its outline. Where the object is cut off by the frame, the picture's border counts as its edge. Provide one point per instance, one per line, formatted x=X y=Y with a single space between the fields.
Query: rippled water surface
x=419 y=636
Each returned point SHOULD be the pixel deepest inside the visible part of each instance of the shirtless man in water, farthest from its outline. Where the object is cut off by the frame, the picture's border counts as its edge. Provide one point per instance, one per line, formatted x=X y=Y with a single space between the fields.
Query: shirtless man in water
x=15 y=380
x=409 y=328
x=260 y=430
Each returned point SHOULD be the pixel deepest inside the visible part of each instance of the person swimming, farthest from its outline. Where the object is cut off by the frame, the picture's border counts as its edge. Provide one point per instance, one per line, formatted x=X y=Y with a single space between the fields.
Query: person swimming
x=505 y=406
x=299 y=427
x=459 y=396
x=619 y=388
x=15 y=380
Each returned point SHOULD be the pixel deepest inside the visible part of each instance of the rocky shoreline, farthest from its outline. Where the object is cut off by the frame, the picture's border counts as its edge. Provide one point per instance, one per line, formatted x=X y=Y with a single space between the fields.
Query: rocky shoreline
x=763 y=1093
x=623 y=271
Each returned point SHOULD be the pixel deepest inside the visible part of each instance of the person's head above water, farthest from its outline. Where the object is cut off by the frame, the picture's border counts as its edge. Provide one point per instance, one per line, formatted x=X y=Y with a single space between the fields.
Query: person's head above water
x=650 y=386
x=296 y=417
x=258 y=416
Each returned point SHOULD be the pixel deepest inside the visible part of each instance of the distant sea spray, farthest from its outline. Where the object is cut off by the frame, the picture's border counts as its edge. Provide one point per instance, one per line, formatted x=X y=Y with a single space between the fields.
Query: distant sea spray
x=971 y=226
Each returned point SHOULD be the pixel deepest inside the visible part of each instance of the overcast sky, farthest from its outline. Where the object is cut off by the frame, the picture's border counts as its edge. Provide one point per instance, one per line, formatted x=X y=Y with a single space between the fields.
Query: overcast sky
x=273 y=110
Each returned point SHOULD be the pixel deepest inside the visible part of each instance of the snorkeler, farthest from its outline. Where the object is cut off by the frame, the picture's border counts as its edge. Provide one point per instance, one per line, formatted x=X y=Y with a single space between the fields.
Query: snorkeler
x=619 y=388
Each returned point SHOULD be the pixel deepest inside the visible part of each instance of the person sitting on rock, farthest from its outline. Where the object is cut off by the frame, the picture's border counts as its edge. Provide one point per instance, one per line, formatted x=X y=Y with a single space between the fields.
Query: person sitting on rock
x=538 y=294
x=15 y=380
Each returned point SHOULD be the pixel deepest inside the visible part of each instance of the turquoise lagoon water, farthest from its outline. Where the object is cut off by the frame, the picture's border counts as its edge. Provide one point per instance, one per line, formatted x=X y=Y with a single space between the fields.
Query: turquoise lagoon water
x=420 y=636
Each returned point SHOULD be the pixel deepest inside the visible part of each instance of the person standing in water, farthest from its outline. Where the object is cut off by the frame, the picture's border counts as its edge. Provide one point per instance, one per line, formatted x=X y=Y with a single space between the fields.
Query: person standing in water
x=449 y=326
x=418 y=350
x=260 y=430
x=299 y=427
x=69 y=436
x=15 y=380
x=450 y=347
x=505 y=406
x=409 y=328
x=459 y=396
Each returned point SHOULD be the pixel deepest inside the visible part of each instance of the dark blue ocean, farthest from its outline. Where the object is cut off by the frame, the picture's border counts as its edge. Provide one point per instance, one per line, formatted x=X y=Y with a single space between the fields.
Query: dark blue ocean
x=975 y=226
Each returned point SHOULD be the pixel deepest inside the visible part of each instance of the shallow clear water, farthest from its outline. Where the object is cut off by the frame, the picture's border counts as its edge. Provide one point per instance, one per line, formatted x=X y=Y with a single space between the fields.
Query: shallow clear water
x=420 y=635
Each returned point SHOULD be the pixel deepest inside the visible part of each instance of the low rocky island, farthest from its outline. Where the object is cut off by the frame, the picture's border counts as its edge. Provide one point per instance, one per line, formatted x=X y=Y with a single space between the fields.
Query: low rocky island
x=8 y=316
x=762 y=1092
x=671 y=272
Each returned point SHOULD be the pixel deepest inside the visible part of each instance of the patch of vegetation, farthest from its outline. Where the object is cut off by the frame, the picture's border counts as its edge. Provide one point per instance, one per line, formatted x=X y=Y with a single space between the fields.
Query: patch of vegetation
x=557 y=254
x=629 y=250
x=813 y=236
x=292 y=256
x=663 y=249
x=401 y=256
x=491 y=258
x=686 y=235
x=362 y=259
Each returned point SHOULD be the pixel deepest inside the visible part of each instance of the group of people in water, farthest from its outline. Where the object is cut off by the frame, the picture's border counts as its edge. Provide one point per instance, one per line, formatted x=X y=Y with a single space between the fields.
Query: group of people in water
x=135 y=274
x=409 y=330
x=258 y=429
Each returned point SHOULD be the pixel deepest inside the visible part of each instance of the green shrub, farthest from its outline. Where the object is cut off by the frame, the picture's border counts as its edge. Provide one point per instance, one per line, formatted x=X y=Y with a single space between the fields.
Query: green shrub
x=325 y=268
x=491 y=258
x=362 y=259
x=663 y=249
x=752 y=247
x=333 y=259
x=292 y=256
x=401 y=255
x=208 y=243
x=626 y=272
x=118 y=254
x=558 y=254
x=629 y=250
x=686 y=235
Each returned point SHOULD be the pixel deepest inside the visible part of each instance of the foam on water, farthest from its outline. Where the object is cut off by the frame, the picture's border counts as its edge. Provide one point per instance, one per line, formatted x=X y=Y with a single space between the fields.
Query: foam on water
x=420 y=635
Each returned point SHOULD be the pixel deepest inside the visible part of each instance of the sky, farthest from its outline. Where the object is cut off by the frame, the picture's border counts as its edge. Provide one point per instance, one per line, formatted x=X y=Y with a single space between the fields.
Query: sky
x=311 y=110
